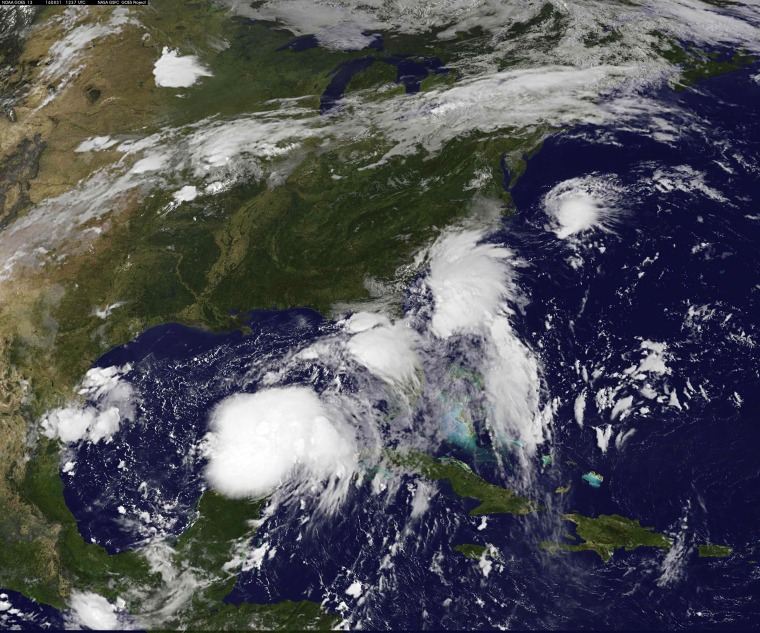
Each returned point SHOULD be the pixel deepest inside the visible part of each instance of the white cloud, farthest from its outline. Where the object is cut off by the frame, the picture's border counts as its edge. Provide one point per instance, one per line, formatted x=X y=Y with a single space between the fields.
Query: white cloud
x=93 y=611
x=219 y=152
x=96 y=143
x=423 y=492
x=697 y=21
x=69 y=424
x=519 y=99
x=101 y=381
x=468 y=280
x=173 y=70
x=387 y=351
x=581 y=204
x=686 y=19
x=345 y=36
x=603 y=435
x=257 y=441
x=654 y=359
x=213 y=145
x=622 y=438
x=684 y=178
x=406 y=16
x=72 y=424
x=361 y=321
x=151 y=162
x=621 y=408
x=355 y=589
x=186 y=194
x=549 y=86
x=66 y=57
x=111 y=399
x=512 y=377
x=68 y=50
x=473 y=286
x=579 y=408
x=104 y=313
x=180 y=584
x=105 y=425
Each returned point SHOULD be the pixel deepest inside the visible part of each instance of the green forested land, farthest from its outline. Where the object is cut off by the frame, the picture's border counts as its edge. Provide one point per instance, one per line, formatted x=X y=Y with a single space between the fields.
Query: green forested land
x=469 y=550
x=608 y=532
x=714 y=551
x=465 y=483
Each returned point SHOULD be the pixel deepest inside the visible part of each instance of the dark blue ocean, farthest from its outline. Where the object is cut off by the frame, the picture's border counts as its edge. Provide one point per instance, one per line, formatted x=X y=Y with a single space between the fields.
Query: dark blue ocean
x=678 y=265
x=17 y=612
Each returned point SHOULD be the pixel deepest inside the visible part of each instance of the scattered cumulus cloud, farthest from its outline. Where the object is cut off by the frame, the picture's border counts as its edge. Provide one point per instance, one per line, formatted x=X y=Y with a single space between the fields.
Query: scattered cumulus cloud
x=110 y=399
x=549 y=87
x=219 y=153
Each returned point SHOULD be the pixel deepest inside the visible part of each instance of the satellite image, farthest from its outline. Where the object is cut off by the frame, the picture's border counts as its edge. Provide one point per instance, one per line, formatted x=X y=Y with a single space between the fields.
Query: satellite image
x=380 y=314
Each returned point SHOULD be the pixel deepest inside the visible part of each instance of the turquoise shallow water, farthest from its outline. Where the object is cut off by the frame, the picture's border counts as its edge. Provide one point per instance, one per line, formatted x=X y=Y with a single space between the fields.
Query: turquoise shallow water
x=677 y=264
x=594 y=480
x=457 y=428
x=699 y=464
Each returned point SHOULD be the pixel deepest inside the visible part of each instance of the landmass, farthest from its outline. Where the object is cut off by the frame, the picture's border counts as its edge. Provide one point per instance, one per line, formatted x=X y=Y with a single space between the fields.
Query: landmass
x=312 y=239
x=607 y=533
x=593 y=479
x=714 y=551
x=465 y=483
x=213 y=549
x=470 y=550
x=305 y=242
